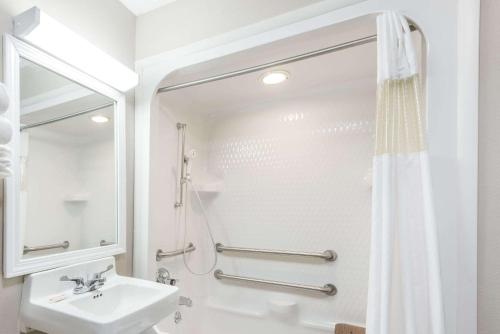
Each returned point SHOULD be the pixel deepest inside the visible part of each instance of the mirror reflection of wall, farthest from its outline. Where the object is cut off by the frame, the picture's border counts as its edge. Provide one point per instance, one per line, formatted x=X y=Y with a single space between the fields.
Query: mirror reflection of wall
x=67 y=160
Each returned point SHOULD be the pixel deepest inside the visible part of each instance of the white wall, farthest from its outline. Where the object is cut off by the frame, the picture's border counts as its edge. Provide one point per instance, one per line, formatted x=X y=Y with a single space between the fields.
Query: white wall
x=293 y=177
x=58 y=169
x=110 y=26
x=51 y=174
x=97 y=172
x=107 y=24
x=489 y=177
x=183 y=22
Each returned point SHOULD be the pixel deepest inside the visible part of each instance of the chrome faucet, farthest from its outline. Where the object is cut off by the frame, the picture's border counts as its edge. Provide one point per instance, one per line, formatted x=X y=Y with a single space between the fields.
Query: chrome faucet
x=79 y=281
x=82 y=286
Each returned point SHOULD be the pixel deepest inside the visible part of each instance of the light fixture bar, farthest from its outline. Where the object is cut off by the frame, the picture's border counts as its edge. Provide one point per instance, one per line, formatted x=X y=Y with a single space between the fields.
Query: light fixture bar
x=57 y=119
x=42 y=31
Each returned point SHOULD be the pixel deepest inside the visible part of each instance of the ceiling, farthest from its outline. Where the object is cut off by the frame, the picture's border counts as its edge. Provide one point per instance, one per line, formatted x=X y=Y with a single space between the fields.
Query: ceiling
x=46 y=95
x=322 y=75
x=318 y=76
x=78 y=130
x=139 y=7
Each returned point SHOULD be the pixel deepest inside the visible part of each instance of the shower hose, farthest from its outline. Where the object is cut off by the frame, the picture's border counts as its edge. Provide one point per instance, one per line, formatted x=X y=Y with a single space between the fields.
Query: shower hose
x=207 y=224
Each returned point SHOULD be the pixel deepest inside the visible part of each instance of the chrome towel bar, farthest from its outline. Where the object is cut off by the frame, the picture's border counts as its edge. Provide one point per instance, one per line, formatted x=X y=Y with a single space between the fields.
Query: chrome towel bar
x=327 y=255
x=27 y=249
x=328 y=289
x=161 y=254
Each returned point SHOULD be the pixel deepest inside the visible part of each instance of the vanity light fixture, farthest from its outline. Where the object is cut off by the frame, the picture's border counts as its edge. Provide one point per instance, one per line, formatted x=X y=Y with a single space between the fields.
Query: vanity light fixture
x=275 y=77
x=39 y=29
x=99 y=119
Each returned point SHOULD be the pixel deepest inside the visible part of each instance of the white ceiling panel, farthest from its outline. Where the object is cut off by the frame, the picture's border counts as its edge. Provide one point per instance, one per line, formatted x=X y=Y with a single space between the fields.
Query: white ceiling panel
x=139 y=7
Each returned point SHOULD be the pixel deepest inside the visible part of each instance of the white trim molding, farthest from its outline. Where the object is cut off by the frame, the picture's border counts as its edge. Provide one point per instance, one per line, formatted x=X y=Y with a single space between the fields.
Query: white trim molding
x=53 y=98
x=14 y=263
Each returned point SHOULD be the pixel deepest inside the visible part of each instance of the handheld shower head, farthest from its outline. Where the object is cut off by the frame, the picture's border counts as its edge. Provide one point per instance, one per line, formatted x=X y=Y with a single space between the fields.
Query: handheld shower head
x=192 y=154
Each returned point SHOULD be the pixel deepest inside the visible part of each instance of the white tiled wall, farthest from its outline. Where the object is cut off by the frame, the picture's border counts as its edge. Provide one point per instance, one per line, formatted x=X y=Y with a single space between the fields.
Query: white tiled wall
x=57 y=169
x=293 y=176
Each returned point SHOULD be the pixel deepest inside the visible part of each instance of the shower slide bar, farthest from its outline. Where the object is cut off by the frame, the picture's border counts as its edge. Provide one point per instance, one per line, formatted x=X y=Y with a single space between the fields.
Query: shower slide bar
x=280 y=62
x=328 y=289
x=327 y=255
x=27 y=249
x=181 y=128
x=161 y=254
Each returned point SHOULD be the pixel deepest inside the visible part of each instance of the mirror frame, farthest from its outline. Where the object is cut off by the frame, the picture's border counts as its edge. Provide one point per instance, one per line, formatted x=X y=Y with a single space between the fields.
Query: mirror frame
x=14 y=264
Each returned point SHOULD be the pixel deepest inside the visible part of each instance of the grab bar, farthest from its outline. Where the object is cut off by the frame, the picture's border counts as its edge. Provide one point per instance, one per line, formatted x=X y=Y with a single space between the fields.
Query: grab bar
x=161 y=254
x=328 y=289
x=106 y=243
x=27 y=249
x=327 y=255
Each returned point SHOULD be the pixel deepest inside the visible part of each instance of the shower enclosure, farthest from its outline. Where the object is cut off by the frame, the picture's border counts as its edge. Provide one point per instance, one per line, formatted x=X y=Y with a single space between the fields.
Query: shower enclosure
x=281 y=179
x=283 y=174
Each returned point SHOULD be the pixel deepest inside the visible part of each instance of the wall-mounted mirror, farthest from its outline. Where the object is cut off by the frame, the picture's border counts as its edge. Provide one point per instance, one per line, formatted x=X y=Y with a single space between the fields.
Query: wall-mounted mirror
x=67 y=147
x=65 y=199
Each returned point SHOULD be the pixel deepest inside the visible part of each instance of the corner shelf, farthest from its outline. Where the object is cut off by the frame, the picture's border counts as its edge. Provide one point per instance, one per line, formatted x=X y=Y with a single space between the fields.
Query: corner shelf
x=76 y=198
x=210 y=187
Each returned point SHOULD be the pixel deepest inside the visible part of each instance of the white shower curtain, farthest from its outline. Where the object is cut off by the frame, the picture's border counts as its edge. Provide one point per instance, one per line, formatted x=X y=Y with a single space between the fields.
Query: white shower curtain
x=404 y=295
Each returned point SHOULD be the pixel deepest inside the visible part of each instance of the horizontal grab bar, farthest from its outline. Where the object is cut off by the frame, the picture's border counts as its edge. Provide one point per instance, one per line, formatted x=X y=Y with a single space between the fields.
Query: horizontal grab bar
x=327 y=255
x=106 y=243
x=161 y=254
x=27 y=249
x=328 y=289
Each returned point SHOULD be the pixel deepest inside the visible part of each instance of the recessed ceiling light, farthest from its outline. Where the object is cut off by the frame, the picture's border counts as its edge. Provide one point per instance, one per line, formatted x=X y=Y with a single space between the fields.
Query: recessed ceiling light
x=275 y=77
x=99 y=119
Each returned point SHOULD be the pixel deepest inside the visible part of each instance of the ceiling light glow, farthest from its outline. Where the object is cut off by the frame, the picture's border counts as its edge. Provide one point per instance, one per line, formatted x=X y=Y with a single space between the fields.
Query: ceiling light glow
x=275 y=77
x=99 y=119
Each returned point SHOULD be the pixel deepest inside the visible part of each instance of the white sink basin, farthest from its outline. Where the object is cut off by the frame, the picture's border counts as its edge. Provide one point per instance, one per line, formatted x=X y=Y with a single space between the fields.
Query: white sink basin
x=123 y=305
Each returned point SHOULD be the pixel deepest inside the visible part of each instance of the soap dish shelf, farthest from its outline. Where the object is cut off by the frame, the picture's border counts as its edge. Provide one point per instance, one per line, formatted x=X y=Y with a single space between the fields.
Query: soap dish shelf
x=209 y=188
x=77 y=198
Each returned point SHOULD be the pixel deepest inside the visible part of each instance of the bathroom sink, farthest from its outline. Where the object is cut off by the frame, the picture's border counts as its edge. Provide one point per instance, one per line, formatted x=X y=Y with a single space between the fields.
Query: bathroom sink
x=122 y=305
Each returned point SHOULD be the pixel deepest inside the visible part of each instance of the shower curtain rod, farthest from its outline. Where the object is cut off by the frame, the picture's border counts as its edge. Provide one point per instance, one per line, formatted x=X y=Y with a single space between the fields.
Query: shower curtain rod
x=57 y=119
x=284 y=61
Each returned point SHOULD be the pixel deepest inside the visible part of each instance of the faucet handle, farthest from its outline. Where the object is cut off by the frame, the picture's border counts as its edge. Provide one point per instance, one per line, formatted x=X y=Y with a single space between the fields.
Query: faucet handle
x=108 y=268
x=97 y=281
x=79 y=281
x=163 y=277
